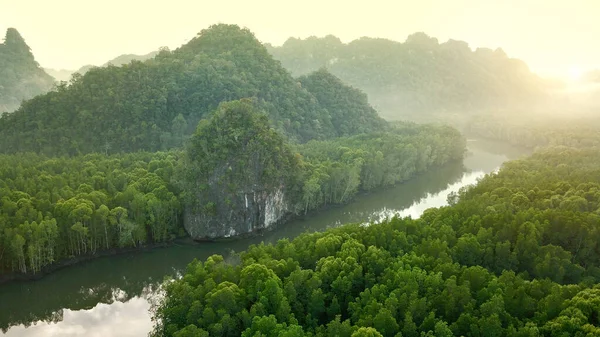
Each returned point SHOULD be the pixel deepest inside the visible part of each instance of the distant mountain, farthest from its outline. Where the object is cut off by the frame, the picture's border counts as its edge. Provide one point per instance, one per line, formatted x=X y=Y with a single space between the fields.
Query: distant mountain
x=21 y=77
x=65 y=74
x=119 y=61
x=156 y=104
x=419 y=77
x=59 y=74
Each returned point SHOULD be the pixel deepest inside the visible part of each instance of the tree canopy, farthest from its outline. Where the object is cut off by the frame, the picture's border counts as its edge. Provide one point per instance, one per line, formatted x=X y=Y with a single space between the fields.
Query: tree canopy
x=515 y=255
x=348 y=107
x=57 y=208
x=155 y=104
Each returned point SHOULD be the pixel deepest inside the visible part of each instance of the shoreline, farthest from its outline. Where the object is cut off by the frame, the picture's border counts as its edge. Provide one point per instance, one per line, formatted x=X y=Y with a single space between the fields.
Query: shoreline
x=29 y=276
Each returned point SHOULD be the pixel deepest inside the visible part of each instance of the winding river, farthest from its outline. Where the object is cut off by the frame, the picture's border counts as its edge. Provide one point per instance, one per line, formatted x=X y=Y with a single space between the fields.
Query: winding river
x=111 y=296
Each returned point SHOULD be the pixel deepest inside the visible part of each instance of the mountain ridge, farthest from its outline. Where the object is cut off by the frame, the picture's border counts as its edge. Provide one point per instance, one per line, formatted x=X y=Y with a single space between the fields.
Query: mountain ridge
x=141 y=105
x=419 y=76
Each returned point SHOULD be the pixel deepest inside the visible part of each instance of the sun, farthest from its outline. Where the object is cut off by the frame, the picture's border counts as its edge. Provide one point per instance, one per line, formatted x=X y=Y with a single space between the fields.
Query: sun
x=575 y=73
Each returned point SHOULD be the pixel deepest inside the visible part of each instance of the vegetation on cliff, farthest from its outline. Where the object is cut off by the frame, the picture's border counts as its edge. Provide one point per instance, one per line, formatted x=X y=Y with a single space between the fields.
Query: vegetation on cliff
x=56 y=208
x=247 y=159
x=234 y=165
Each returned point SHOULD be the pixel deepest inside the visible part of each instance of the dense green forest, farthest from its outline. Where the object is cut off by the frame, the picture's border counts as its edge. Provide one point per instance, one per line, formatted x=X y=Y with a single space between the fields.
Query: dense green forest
x=63 y=202
x=54 y=208
x=153 y=105
x=335 y=170
x=515 y=255
x=420 y=76
x=21 y=77
x=348 y=107
x=240 y=175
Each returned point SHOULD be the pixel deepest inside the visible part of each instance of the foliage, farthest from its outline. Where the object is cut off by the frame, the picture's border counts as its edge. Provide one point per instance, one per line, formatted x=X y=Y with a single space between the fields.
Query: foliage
x=63 y=207
x=234 y=157
x=21 y=77
x=348 y=107
x=57 y=208
x=155 y=104
x=333 y=171
x=238 y=142
x=516 y=255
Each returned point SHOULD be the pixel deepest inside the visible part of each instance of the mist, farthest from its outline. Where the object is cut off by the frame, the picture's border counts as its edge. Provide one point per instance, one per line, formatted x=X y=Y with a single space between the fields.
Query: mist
x=329 y=169
x=532 y=35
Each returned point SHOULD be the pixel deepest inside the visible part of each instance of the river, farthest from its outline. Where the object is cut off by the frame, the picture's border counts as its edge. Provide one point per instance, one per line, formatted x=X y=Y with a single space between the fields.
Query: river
x=111 y=296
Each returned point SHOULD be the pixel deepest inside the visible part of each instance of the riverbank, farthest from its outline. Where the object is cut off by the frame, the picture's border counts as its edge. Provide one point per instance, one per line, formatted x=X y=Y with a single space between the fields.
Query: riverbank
x=118 y=288
x=29 y=276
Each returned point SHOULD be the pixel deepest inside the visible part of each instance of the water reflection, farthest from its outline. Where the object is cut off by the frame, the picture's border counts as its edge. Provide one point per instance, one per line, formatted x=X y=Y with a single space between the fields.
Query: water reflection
x=110 y=296
x=438 y=199
x=116 y=319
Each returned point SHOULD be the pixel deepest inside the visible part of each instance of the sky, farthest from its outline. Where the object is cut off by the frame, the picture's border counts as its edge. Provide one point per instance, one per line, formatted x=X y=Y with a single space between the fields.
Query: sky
x=554 y=37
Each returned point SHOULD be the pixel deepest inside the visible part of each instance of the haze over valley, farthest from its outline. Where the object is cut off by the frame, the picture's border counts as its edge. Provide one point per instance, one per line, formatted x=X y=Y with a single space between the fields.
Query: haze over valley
x=335 y=169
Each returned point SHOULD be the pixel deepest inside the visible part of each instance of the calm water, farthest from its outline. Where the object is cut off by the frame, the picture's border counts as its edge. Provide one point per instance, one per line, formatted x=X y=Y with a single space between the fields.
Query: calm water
x=111 y=296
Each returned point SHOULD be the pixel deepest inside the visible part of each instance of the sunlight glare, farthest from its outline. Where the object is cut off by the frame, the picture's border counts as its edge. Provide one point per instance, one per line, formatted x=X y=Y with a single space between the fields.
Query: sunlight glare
x=575 y=73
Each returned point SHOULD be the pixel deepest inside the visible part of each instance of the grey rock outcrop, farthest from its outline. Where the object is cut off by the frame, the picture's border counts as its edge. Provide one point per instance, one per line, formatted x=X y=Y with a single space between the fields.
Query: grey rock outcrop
x=238 y=174
x=244 y=213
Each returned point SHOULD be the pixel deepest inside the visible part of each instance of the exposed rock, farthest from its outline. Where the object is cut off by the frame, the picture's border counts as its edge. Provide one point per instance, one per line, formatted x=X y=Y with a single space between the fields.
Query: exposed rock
x=247 y=212
x=237 y=173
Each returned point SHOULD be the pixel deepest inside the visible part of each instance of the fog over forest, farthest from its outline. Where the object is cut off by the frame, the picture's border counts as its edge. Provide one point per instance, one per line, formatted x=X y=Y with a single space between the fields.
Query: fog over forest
x=330 y=169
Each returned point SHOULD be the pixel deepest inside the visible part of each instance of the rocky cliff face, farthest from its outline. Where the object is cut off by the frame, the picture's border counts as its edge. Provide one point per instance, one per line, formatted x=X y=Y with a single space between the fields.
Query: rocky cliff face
x=237 y=174
x=244 y=213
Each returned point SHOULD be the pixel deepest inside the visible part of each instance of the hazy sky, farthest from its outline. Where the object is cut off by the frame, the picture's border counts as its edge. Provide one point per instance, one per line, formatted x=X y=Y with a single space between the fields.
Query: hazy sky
x=552 y=36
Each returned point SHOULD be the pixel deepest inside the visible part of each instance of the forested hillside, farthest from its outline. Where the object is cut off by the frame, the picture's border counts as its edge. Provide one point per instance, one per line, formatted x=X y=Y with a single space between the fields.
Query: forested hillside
x=348 y=107
x=56 y=208
x=516 y=255
x=154 y=105
x=420 y=76
x=21 y=77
